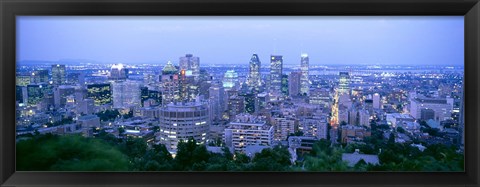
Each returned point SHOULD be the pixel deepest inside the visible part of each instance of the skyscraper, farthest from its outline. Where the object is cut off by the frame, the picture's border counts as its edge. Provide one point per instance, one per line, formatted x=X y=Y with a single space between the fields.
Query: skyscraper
x=126 y=94
x=39 y=76
x=254 y=79
x=169 y=84
x=294 y=83
x=58 y=74
x=344 y=84
x=230 y=80
x=35 y=93
x=100 y=93
x=191 y=64
x=118 y=72
x=217 y=100
x=304 y=81
x=376 y=101
x=276 y=70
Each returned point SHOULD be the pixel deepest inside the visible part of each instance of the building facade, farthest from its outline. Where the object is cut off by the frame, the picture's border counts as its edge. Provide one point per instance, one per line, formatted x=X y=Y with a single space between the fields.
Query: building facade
x=182 y=121
x=304 y=80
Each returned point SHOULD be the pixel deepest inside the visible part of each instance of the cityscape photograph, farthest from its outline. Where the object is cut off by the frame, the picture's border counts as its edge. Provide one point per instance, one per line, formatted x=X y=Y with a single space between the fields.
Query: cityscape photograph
x=240 y=93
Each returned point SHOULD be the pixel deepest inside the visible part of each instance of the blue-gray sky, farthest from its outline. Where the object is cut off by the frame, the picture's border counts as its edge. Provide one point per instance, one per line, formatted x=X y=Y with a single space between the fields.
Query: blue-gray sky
x=401 y=40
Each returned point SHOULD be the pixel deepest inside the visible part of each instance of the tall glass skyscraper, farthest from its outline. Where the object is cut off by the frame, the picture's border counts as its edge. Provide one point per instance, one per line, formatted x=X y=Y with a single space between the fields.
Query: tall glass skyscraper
x=190 y=63
x=276 y=68
x=304 y=82
x=230 y=80
x=344 y=84
x=59 y=76
x=254 y=81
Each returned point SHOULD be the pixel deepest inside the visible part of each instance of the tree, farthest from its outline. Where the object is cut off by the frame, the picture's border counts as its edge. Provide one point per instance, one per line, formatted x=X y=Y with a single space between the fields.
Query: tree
x=68 y=153
x=191 y=156
x=272 y=159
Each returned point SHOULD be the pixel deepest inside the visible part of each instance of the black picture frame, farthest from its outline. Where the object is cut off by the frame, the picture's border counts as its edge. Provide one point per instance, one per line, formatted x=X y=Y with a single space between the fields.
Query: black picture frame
x=11 y=8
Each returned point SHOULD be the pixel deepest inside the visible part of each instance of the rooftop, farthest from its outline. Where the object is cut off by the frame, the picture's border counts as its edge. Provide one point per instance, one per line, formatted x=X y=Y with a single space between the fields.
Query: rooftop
x=354 y=158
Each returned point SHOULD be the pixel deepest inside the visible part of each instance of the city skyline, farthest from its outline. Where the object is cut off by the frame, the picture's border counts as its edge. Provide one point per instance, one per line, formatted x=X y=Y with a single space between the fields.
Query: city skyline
x=381 y=40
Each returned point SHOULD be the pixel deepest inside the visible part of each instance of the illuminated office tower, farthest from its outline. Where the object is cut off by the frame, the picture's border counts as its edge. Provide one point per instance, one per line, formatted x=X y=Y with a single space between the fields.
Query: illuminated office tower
x=191 y=64
x=236 y=105
x=304 y=81
x=294 y=83
x=118 y=72
x=21 y=94
x=169 y=84
x=183 y=121
x=100 y=93
x=217 y=100
x=59 y=75
x=150 y=97
x=61 y=93
x=230 y=80
x=254 y=79
x=344 y=84
x=39 y=76
x=187 y=86
x=376 y=101
x=36 y=93
x=126 y=94
x=276 y=70
x=23 y=80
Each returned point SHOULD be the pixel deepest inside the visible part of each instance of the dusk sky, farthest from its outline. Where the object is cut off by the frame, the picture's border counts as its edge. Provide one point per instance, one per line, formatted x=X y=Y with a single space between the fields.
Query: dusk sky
x=406 y=40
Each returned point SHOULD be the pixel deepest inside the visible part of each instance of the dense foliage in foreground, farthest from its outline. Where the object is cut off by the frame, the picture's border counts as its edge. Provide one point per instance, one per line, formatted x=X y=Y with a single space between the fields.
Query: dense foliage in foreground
x=107 y=153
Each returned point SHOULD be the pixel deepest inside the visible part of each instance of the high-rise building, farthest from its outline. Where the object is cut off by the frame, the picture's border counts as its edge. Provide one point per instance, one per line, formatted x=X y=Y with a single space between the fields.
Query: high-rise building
x=118 y=72
x=60 y=94
x=304 y=80
x=276 y=72
x=100 y=93
x=23 y=80
x=284 y=87
x=191 y=65
x=254 y=78
x=187 y=85
x=182 y=121
x=59 y=75
x=376 y=101
x=217 y=100
x=248 y=130
x=126 y=94
x=294 y=83
x=152 y=97
x=249 y=102
x=39 y=76
x=230 y=80
x=169 y=84
x=344 y=84
x=76 y=78
x=442 y=107
x=36 y=93
x=236 y=105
